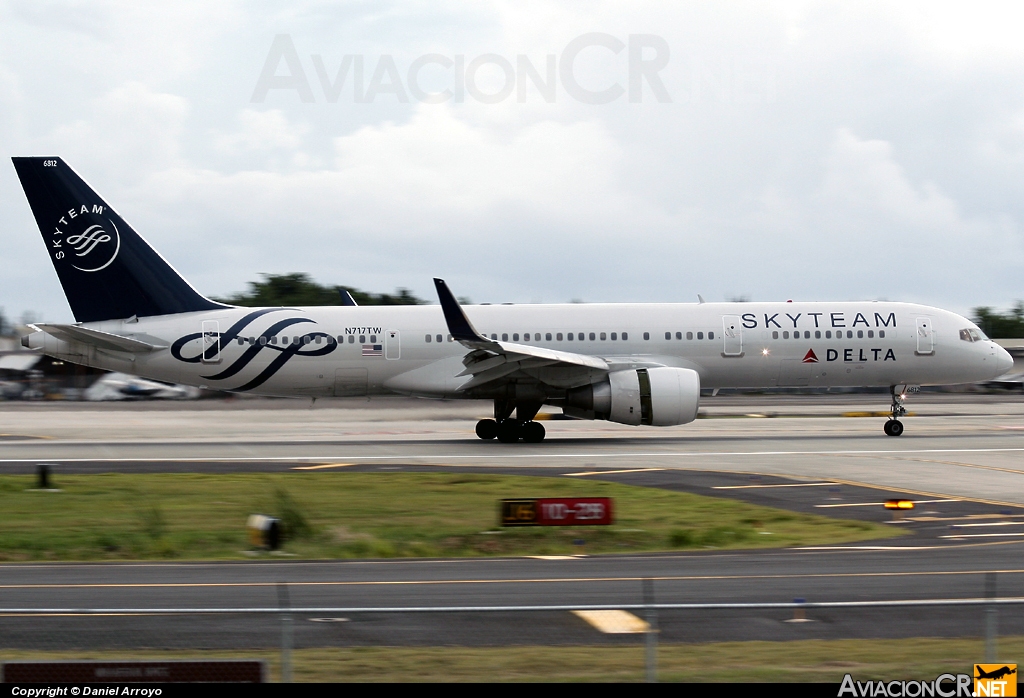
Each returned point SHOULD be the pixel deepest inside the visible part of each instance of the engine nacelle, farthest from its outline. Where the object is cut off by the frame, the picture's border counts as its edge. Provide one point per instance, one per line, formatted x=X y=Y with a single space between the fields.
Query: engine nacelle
x=659 y=397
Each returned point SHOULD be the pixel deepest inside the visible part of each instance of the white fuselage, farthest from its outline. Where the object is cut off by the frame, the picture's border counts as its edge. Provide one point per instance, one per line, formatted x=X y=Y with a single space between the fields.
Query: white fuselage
x=385 y=349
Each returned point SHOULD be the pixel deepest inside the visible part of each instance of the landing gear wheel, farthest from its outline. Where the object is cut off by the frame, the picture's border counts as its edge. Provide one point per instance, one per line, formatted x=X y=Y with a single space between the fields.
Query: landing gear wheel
x=894 y=427
x=533 y=432
x=486 y=429
x=509 y=431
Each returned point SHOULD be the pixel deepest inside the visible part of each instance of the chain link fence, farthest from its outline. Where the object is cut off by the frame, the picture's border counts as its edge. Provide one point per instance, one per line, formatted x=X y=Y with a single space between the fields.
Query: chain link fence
x=585 y=641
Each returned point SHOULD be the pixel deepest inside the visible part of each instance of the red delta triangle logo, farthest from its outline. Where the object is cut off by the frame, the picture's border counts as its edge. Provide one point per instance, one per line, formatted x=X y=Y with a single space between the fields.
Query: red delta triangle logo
x=810 y=358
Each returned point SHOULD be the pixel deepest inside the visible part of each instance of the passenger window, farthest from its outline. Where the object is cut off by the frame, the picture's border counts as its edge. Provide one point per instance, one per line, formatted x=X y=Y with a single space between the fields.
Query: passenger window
x=679 y=335
x=828 y=334
x=689 y=335
x=871 y=334
x=807 y=334
x=860 y=334
x=647 y=335
x=817 y=334
x=849 y=334
x=351 y=339
x=700 y=335
x=614 y=336
x=568 y=337
x=263 y=341
x=494 y=336
x=711 y=335
x=318 y=339
x=557 y=336
x=775 y=334
x=429 y=339
x=603 y=336
x=881 y=333
x=515 y=337
x=668 y=335
x=362 y=339
x=591 y=336
x=439 y=339
x=504 y=336
x=373 y=339
x=625 y=336
x=785 y=335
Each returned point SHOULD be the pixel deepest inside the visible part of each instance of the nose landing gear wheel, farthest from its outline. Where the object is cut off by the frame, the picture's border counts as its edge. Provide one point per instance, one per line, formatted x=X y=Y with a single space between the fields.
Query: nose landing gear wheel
x=894 y=427
x=486 y=429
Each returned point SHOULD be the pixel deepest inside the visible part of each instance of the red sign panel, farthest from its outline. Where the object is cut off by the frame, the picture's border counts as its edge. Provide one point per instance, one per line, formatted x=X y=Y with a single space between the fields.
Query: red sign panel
x=557 y=511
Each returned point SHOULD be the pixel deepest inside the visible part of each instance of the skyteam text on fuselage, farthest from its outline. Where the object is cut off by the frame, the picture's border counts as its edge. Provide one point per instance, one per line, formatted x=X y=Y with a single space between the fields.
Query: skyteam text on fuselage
x=639 y=364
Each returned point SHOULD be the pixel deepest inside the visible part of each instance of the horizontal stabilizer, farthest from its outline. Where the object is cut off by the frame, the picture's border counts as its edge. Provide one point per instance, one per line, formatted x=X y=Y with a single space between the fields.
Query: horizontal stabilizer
x=96 y=338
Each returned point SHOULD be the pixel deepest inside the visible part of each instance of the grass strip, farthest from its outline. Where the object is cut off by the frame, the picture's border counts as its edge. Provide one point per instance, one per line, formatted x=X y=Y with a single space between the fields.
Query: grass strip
x=332 y=514
x=802 y=661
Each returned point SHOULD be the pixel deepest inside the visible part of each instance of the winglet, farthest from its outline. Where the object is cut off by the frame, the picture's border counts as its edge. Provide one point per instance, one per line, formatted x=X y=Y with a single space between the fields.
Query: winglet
x=346 y=297
x=458 y=324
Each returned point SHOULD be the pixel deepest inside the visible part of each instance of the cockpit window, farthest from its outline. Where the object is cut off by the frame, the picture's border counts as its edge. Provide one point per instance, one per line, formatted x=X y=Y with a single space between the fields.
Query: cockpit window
x=972 y=334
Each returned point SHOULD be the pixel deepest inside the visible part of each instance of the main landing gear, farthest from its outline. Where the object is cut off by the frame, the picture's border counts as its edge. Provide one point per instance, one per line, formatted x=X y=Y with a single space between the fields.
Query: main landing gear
x=894 y=427
x=508 y=430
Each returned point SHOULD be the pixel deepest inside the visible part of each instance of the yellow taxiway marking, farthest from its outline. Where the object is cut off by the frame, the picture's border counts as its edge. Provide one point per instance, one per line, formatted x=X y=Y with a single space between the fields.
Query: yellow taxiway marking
x=322 y=467
x=549 y=580
x=754 y=487
x=612 y=472
x=882 y=504
x=614 y=622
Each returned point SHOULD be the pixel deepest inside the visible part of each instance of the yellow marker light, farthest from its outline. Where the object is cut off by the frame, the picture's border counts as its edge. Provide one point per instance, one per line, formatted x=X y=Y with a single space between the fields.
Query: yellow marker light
x=899 y=504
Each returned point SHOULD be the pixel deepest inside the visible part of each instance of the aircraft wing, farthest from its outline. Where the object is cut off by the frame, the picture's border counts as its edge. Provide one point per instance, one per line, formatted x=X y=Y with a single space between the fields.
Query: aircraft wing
x=97 y=338
x=491 y=360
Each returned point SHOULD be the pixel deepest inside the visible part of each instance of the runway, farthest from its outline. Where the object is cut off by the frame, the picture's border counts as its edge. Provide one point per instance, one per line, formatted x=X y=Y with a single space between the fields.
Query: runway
x=956 y=445
x=960 y=458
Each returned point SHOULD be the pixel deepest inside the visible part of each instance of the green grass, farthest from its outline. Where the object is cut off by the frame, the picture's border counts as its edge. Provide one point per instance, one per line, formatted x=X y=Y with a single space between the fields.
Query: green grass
x=336 y=514
x=798 y=661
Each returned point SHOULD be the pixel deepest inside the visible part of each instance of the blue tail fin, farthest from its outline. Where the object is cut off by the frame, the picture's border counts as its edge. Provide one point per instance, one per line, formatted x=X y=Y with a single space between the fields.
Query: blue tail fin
x=107 y=270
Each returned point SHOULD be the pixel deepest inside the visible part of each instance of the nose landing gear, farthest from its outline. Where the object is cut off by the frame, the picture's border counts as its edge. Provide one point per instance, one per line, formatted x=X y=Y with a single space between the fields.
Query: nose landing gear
x=894 y=427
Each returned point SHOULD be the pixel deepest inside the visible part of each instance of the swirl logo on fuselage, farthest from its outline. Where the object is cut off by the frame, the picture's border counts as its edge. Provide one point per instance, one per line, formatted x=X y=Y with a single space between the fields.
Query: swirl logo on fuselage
x=303 y=345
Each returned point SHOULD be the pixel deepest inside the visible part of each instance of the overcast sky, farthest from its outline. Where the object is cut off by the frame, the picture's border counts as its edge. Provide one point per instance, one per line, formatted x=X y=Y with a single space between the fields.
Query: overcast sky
x=814 y=151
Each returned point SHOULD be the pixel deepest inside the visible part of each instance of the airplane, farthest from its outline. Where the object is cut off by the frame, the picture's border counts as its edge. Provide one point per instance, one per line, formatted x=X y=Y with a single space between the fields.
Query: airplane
x=636 y=364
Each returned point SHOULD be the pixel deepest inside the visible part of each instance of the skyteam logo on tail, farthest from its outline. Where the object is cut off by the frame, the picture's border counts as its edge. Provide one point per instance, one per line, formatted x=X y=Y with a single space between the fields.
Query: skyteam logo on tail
x=88 y=241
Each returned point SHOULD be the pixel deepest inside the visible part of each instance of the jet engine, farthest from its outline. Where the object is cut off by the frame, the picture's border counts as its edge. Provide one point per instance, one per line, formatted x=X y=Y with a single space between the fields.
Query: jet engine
x=659 y=397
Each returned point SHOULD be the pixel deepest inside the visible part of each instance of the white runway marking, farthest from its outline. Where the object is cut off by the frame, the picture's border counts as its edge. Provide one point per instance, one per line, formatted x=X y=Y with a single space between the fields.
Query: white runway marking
x=756 y=487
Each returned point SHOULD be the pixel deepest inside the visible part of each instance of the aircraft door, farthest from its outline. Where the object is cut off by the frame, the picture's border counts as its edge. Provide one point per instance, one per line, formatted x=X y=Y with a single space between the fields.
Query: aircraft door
x=925 y=336
x=732 y=334
x=211 y=342
x=392 y=345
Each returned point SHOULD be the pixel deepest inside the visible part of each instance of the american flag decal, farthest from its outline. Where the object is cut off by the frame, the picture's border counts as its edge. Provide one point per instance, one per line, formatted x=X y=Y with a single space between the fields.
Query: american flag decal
x=373 y=350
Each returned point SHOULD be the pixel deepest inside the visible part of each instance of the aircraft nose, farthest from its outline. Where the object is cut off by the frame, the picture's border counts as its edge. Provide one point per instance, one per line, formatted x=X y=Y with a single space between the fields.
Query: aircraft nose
x=1003 y=360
